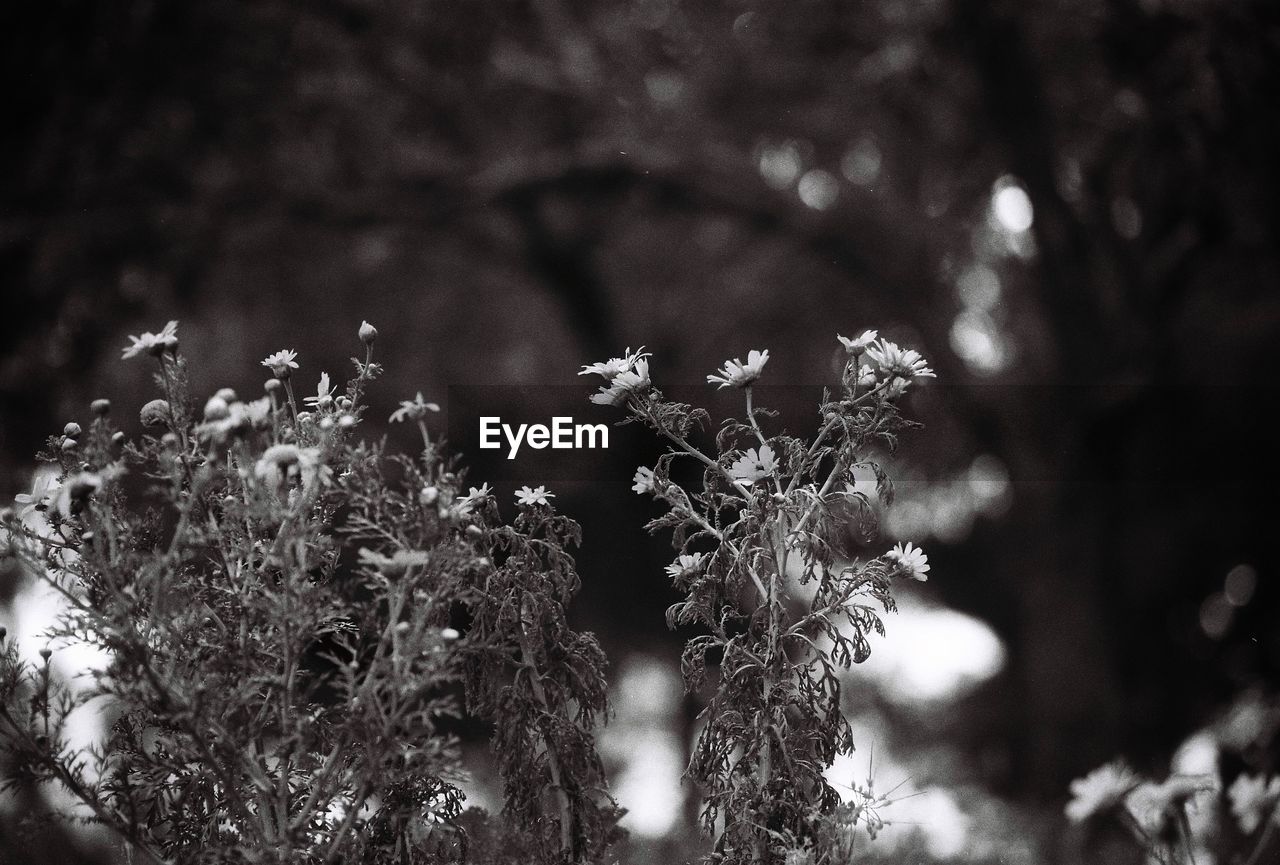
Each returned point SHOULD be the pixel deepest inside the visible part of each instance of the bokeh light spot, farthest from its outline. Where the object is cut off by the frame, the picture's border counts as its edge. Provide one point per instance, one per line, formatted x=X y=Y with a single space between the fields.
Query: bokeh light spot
x=1011 y=205
x=818 y=189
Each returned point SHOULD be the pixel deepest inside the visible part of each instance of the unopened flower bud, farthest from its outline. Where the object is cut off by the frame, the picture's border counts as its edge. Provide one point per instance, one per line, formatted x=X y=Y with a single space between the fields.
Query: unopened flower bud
x=474 y=531
x=304 y=416
x=449 y=634
x=4 y=632
x=169 y=440
x=101 y=407
x=117 y=438
x=155 y=413
x=69 y=444
x=227 y=395
x=273 y=385
x=216 y=408
x=368 y=333
x=344 y=402
x=46 y=654
x=72 y=430
x=402 y=628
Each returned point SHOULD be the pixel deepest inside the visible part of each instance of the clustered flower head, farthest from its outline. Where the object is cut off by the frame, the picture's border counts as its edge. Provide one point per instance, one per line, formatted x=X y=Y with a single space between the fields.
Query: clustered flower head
x=754 y=465
x=281 y=362
x=1100 y=791
x=1255 y=800
x=735 y=373
x=910 y=560
x=536 y=496
x=413 y=409
x=625 y=375
x=225 y=418
x=154 y=344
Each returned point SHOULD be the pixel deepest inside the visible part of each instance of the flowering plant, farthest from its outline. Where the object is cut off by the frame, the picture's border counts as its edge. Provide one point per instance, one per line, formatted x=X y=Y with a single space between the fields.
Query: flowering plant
x=767 y=577
x=294 y=621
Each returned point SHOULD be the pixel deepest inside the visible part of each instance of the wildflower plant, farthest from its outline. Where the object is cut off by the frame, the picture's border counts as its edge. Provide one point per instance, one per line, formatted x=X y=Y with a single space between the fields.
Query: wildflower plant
x=781 y=609
x=295 y=619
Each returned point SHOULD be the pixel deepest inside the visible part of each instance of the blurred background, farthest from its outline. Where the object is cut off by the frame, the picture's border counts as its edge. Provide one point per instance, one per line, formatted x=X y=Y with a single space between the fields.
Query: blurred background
x=1069 y=206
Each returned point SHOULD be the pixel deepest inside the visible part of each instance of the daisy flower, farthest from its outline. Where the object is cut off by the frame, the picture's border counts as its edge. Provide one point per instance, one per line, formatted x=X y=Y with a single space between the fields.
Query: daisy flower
x=1253 y=800
x=536 y=496
x=281 y=362
x=468 y=503
x=623 y=384
x=754 y=465
x=1101 y=790
x=735 y=373
x=154 y=344
x=911 y=559
x=614 y=366
x=413 y=409
x=324 y=394
x=858 y=344
x=643 y=482
x=42 y=493
x=897 y=361
x=686 y=563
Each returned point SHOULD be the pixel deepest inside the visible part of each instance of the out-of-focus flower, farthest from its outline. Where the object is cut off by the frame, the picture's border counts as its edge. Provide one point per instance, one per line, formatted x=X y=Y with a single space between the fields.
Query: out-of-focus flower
x=324 y=395
x=1157 y=807
x=685 y=563
x=911 y=560
x=536 y=496
x=858 y=344
x=154 y=413
x=1254 y=800
x=216 y=408
x=449 y=634
x=754 y=465
x=368 y=333
x=240 y=418
x=644 y=481
x=279 y=463
x=281 y=362
x=41 y=496
x=154 y=344
x=101 y=407
x=80 y=487
x=413 y=409
x=735 y=373
x=623 y=384
x=893 y=360
x=396 y=563
x=1101 y=790
x=614 y=366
